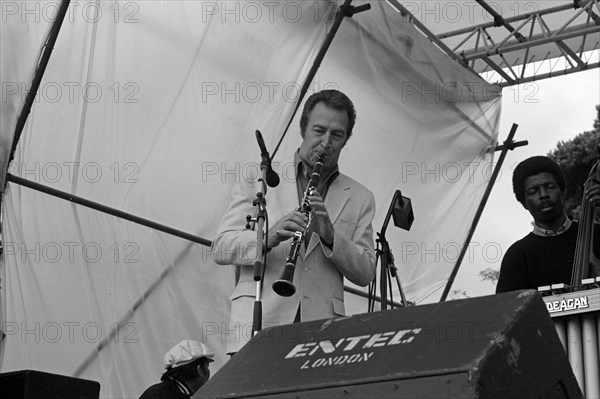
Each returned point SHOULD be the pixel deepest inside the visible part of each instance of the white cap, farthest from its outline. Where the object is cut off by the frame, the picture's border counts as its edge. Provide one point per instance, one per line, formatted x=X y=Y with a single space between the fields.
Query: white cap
x=186 y=352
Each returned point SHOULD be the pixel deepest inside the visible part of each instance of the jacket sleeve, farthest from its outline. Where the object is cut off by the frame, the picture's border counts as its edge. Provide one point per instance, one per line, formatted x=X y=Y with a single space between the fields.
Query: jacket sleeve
x=234 y=244
x=353 y=252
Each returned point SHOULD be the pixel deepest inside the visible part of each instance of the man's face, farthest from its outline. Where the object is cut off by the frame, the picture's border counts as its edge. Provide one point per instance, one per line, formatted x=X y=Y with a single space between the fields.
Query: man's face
x=203 y=372
x=326 y=131
x=198 y=378
x=543 y=199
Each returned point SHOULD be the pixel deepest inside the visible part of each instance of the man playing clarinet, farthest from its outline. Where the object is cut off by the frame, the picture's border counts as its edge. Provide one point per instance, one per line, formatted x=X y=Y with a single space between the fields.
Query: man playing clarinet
x=337 y=243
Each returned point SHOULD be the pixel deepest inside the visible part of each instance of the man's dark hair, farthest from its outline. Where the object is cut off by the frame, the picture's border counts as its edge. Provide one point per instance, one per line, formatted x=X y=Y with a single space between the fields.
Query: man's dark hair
x=334 y=99
x=187 y=371
x=532 y=166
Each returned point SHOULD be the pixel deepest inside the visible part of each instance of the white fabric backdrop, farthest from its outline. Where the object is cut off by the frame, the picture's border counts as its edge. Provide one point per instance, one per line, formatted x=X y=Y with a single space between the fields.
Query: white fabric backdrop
x=150 y=107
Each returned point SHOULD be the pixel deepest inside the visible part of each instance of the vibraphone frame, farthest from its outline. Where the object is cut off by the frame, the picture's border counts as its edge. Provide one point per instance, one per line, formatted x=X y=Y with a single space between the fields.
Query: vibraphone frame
x=576 y=317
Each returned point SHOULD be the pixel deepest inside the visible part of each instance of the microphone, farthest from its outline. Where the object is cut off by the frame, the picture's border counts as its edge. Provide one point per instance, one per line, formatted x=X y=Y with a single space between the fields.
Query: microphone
x=272 y=176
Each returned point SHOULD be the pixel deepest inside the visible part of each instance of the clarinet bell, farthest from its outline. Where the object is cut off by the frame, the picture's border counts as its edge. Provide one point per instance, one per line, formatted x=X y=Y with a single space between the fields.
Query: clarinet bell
x=284 y=286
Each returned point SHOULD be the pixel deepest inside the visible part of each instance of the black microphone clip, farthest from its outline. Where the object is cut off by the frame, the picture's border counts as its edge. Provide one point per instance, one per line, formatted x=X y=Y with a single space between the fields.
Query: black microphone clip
x=272 y=177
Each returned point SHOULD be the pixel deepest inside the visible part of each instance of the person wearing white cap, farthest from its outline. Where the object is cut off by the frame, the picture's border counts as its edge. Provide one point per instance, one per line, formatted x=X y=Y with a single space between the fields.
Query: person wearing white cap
x=187 y=370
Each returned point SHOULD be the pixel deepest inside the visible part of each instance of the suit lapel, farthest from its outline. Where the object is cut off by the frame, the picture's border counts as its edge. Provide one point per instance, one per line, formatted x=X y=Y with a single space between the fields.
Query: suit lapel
x=337 y=196
x=286 y=197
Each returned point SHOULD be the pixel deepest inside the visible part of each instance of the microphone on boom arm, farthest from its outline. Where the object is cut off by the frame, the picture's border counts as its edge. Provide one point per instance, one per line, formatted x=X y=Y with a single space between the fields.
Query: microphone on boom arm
x=272 y=177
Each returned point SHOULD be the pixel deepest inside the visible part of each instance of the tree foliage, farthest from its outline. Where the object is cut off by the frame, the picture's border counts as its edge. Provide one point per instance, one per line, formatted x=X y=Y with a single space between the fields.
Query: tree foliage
x=458 y=294
x=576 y=157
x=490 y=275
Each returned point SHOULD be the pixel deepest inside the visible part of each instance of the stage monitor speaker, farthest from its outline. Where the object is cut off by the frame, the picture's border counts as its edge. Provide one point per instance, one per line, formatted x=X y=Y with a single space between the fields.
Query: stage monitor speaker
x=501 y=346
x=32 y=384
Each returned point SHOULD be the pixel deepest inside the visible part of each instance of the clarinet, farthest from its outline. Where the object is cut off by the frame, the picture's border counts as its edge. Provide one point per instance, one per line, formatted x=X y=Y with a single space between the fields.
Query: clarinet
x=285 y=286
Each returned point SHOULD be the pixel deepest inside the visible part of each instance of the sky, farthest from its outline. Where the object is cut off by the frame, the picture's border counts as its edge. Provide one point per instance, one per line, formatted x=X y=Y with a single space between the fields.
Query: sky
x=548 y=111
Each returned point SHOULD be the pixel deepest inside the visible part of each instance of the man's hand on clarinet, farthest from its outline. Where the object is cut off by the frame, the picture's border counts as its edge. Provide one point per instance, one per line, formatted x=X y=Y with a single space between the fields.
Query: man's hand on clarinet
x=321 y=223
x=284 y=228
x=289 y=224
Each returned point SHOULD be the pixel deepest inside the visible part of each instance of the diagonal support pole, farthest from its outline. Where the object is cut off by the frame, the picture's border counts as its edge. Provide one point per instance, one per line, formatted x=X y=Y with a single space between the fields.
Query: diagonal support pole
x=103 y=208
x=346 y=10
x=507 y=145
x=44 y=58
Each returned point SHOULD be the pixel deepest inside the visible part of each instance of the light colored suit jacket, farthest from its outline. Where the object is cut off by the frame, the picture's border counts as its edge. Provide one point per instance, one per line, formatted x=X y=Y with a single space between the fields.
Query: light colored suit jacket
x=319 y=272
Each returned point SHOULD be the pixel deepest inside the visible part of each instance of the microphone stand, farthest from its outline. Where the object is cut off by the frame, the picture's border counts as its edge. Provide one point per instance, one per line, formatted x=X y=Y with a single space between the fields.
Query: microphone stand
x=388 y=271
x=388 y=268
x=259 y=265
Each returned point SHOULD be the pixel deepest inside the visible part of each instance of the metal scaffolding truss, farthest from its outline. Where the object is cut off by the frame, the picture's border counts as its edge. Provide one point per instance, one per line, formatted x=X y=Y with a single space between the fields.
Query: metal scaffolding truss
x=521 y=48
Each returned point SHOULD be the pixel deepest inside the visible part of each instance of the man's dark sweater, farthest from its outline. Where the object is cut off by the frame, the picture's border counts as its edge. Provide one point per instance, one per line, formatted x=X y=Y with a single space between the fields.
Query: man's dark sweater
x=535 y=260
x=164 y=390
